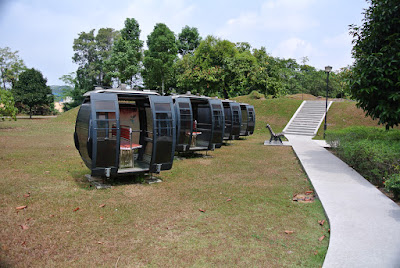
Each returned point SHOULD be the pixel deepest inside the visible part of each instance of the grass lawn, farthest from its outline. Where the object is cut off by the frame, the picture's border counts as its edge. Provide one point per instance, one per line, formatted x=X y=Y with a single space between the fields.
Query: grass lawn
x=245 y=190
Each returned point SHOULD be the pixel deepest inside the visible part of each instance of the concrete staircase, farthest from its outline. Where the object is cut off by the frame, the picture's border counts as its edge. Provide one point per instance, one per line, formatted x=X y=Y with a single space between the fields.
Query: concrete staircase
x=307 y=119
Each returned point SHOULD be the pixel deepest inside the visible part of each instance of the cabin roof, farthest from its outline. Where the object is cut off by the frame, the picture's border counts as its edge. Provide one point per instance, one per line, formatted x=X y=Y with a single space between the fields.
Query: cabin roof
x=121 y=92
x=190 y=96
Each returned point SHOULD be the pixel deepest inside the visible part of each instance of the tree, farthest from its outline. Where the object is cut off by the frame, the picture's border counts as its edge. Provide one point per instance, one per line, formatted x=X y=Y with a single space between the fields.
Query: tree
x=31 y=90
x=188 y=40
x=10 y=67
x=105 y=40
x=91 y=52
x=375 y=79
x=72 y=91
x=126 y=57
x=159 y=58
x=7 y=107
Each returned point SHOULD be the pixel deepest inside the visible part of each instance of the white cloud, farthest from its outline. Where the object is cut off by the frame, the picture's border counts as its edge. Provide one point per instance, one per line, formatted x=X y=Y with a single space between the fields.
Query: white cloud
x=295 y=48
x=339 y=41
x=274 y=16
x=44 y=32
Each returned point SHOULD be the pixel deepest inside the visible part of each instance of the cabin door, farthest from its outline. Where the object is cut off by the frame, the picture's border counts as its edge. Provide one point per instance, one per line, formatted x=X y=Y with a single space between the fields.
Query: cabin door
x=252 y=119
x=218 y=122
x=104 y=137
x=164 y=133
x=184 y=117
x=236 y=120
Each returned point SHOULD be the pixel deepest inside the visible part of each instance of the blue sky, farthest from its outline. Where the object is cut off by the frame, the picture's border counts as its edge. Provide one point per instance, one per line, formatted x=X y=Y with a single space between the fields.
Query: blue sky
x=43 y=31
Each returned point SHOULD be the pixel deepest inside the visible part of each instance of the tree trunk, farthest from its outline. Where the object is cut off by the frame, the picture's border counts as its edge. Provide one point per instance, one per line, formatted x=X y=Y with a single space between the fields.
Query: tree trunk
x=226 y=96
x=30 y=112
x=162 y=87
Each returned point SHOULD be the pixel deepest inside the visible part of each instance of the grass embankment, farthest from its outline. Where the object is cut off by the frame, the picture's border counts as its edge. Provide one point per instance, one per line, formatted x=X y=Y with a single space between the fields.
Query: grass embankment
x=245 y=190
x=365 y=145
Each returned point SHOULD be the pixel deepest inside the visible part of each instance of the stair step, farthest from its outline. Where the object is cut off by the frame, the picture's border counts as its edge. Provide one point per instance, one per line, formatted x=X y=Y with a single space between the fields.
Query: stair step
x=307 y=120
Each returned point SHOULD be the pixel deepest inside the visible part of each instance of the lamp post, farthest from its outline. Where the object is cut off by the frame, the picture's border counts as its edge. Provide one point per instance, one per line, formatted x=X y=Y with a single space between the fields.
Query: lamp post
x=328 y=69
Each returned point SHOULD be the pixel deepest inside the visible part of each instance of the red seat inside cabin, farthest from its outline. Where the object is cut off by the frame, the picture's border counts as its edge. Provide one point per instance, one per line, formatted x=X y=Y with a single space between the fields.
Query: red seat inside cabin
x=125 y=143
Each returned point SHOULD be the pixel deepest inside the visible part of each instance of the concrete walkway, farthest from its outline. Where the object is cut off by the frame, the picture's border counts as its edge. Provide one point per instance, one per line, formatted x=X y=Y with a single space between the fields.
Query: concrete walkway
x=365 y=224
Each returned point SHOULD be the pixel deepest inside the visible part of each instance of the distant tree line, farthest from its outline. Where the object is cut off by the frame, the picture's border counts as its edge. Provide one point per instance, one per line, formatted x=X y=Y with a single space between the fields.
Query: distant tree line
x=186 y=62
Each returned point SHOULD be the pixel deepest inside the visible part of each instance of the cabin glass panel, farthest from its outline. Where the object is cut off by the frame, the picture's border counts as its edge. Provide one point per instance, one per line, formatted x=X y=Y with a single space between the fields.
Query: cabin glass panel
x=106 y=138
x=148 y=136
x=82 y=132
x=228 y=121
x=218 y=117
x=185 y=123
x=243 y=129
x=202 y=132
x=164 y=134
x=236 y=118
x=252 y=120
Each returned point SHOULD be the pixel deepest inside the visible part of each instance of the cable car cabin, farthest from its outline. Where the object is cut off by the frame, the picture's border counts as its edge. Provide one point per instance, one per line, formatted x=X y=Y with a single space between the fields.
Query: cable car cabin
x=200 y=123
x=122 y=132
x=233 y=119
x=248 y=119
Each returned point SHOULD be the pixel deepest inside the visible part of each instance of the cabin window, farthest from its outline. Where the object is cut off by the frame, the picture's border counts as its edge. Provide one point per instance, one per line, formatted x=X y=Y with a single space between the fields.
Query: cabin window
x=104 y=105
x=164 y=127
x=105 y=121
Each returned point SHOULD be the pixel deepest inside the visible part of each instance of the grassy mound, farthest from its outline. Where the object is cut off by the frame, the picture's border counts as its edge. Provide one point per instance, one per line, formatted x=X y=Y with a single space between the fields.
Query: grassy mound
x=68 y=116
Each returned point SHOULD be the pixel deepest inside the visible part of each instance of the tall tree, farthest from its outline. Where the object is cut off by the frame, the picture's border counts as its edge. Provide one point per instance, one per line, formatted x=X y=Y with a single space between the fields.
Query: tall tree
x=31 y=90
x=126 y=57
x=159 y=58
x=105 y=39
x=188 y=40
x=11 y=65
x=91 y=52
x=375 y=81
x=86 y=58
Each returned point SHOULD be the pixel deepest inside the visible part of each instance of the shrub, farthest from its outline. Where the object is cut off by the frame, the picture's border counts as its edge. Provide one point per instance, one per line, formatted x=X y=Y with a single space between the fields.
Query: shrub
x=393 y=185
x=256 y=95
x=373 y=152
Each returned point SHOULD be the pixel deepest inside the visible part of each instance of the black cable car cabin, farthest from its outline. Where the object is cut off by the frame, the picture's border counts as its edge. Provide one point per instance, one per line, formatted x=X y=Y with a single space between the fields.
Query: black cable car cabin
x=122 y=132
x=248 y=119
x=233 y=119
x=200 y=123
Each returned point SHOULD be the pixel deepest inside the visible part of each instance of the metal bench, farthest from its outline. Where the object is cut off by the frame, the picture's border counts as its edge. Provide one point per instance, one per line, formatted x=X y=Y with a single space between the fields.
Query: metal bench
x=274 y=136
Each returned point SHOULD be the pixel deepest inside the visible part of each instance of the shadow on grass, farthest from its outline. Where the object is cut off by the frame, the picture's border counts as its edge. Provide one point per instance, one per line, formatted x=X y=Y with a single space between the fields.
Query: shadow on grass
x=189 y=155
x=82 y=181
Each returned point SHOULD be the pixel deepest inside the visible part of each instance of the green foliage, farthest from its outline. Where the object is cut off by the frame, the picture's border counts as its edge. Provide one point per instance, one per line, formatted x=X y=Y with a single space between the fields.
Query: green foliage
x=32 y=92
x=126 y=57
x=7 y=105
x=375 y=79
x=392 y=184
x=219 y=67
x=373 y=152
x=159 y=59
x=91 y=53
x=255 y=95
x=188 y=40
x=10 y=67
x=212 y=66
